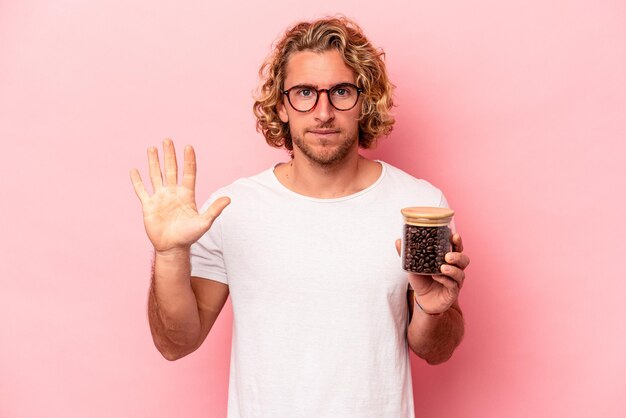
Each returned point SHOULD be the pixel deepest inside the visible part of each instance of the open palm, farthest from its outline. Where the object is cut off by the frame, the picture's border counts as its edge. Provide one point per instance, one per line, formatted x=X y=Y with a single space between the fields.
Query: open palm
x=170 y=215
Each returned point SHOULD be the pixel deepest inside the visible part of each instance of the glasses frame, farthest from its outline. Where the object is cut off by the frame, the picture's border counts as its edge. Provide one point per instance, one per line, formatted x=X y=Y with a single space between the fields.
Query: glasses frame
x=319 y=93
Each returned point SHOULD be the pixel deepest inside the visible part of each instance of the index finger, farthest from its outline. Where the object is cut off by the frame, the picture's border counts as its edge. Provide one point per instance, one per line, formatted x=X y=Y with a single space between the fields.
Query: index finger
x=189 y=168
x=457 y=259
x=457 y=243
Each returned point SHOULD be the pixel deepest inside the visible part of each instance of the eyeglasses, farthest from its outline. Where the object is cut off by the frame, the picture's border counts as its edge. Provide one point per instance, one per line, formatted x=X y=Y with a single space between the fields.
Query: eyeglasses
x=303 y=98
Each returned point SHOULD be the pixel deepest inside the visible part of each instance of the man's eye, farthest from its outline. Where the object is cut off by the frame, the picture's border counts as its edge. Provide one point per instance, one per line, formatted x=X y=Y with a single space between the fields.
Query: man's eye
x=342 y=92
x=304 y=92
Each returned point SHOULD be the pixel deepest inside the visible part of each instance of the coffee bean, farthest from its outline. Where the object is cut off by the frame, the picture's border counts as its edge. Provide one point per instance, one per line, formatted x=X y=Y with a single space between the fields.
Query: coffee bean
x=424 y=248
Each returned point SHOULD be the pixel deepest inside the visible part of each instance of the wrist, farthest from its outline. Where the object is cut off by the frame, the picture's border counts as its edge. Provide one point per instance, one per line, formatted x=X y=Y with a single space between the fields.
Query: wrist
x=172 y=265
x=172 y=253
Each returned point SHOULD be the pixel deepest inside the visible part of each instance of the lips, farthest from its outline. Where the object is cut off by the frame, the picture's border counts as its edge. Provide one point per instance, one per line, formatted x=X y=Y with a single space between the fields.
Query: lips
x=323 y=131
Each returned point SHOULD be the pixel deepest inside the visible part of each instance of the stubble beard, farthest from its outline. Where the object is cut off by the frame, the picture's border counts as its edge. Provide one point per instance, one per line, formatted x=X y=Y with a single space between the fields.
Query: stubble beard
x=328 y=158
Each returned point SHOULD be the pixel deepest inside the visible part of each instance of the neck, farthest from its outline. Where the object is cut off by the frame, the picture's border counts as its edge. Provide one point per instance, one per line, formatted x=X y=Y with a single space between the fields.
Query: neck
x=348 y=176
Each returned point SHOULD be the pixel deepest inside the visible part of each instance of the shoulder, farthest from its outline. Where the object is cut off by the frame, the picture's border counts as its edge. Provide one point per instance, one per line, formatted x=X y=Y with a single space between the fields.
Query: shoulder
x=245 y=188
x=401 y=179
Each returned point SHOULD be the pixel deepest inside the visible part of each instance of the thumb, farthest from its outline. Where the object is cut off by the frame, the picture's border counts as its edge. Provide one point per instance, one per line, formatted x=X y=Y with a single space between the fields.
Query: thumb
x=398 y=241
x=215 y=210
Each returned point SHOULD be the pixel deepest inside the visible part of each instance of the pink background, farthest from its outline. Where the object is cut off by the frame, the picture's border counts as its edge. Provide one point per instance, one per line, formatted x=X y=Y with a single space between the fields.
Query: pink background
x=516 y=109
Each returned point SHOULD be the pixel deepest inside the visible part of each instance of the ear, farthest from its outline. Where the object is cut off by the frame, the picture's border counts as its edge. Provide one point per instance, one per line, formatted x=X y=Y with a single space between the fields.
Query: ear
x=282 y=112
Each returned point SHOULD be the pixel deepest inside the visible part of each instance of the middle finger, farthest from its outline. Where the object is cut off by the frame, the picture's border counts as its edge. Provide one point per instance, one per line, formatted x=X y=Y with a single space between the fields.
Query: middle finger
x=170 y=166
x=454 y=273
x=458 y=259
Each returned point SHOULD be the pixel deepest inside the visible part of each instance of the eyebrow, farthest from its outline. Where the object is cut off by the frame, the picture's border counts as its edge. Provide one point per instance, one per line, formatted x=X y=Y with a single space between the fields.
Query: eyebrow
x=316 y=86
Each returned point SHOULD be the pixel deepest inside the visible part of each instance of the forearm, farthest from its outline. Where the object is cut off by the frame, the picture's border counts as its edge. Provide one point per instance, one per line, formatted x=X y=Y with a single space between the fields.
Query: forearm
x=172 y=306
x=434 y=338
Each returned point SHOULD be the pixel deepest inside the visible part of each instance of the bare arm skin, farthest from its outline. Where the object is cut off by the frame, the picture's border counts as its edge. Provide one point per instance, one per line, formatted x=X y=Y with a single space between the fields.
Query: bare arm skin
x=434 y=338
x=437 y=327
x=181 y=309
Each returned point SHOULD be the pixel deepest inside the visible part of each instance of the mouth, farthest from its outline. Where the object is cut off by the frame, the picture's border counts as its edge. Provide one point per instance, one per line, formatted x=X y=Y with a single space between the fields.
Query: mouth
x=323 y=131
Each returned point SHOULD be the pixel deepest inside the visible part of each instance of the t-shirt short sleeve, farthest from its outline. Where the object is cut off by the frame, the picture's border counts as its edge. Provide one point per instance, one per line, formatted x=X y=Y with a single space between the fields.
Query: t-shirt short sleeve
x=443 y=203
x=206 y=255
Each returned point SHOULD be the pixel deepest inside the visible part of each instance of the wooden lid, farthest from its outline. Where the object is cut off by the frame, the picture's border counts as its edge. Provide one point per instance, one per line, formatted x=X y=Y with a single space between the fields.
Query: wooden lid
x=427 y=216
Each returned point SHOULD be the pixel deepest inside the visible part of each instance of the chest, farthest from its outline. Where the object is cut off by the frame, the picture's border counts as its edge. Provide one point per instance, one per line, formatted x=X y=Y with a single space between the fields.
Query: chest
x=318 y=249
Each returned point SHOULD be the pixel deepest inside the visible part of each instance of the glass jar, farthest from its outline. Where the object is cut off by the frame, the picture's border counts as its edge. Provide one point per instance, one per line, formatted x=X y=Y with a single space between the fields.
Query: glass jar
x=425 y=239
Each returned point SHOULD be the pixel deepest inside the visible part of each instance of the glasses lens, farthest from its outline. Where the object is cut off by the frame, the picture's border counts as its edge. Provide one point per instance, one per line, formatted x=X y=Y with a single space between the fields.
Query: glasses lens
x=344 y=96
x=303 y=98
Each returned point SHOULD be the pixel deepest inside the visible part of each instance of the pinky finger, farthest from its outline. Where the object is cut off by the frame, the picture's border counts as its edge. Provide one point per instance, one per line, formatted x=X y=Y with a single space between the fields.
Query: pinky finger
x=448 y=282
x=140 y=189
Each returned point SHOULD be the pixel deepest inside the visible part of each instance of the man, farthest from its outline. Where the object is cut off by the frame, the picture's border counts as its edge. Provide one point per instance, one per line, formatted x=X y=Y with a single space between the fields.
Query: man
x=306 y=248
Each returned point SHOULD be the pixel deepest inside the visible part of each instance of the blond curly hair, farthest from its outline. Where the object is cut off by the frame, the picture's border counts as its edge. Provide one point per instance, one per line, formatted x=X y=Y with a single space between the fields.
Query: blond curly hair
x=344 y=35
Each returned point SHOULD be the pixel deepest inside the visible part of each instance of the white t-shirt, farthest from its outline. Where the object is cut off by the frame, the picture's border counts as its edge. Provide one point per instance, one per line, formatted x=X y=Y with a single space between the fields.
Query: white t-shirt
x=319 y=297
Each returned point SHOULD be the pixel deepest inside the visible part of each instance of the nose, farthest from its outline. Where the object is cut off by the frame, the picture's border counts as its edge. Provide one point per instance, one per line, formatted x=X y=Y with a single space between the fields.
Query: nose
x=324 y=111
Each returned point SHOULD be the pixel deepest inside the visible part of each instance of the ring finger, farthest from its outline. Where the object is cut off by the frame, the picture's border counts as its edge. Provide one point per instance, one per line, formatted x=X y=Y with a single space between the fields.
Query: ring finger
x=154 y=168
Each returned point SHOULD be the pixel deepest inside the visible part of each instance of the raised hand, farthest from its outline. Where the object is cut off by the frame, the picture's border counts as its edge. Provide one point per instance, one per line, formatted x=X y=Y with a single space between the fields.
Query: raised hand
x=170 y=215
x=436 y=293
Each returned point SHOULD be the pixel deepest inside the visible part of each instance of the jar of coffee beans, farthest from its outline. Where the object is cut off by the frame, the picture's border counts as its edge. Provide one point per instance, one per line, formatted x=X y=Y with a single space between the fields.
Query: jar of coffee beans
x=426 y=239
